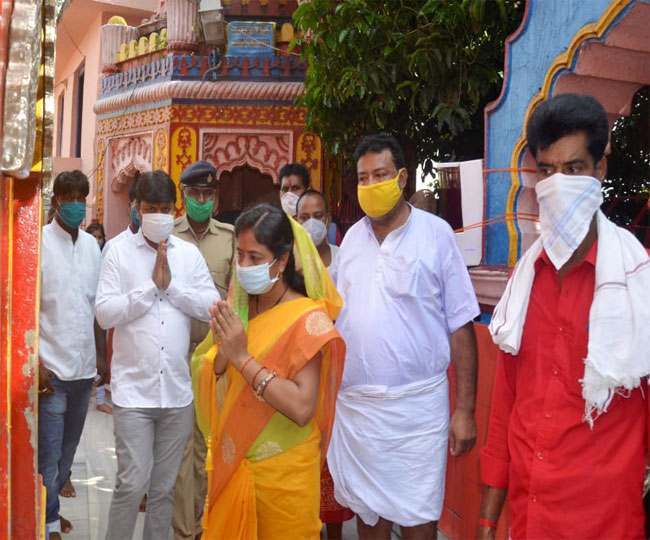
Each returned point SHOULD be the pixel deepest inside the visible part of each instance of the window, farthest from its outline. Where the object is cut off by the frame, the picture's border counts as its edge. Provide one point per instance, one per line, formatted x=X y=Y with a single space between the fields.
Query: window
x=59 y=121
x=80 y=107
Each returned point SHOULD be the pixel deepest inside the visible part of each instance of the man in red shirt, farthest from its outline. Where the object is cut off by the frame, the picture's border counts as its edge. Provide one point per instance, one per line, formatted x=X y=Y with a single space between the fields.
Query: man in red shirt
x=569 y=454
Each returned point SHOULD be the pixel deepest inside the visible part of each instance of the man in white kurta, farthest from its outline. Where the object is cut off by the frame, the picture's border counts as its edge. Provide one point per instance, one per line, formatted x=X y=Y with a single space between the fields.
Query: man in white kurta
x=408 y=307
x=71 y=348
x=150 y=287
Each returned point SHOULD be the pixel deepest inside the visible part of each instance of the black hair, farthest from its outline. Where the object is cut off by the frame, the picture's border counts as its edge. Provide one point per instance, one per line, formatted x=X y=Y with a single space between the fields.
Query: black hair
x=132 y=193
x=378 y=143
x=312 y=192
x=69 y=182
x=297 y=169
x=155 y=187
x=96 y=227
x=272 y=228
x=50 y=214
x=566 y=114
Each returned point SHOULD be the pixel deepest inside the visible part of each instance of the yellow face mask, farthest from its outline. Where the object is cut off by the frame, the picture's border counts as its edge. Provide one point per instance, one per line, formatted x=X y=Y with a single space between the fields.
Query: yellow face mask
x=376 y=200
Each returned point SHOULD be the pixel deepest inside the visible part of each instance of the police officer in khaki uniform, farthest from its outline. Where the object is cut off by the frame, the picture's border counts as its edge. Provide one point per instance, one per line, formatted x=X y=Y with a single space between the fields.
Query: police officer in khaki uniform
x=216 y=241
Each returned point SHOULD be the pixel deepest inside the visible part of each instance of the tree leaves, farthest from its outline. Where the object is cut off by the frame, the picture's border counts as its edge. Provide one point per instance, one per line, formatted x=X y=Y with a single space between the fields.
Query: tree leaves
x=419 y=71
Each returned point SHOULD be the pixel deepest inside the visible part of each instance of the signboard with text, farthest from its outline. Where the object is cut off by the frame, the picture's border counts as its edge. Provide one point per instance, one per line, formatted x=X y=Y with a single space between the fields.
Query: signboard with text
x=251 y=39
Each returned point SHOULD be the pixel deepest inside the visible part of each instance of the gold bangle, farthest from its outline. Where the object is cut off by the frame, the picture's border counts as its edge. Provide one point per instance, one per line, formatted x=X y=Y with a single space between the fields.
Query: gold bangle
x=265 y=382
x=255 y=377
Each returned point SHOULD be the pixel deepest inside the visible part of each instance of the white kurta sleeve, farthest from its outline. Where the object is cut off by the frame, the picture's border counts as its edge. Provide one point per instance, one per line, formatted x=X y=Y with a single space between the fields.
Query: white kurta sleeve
x=459 y=297
x=195 y=293
x=114 y=308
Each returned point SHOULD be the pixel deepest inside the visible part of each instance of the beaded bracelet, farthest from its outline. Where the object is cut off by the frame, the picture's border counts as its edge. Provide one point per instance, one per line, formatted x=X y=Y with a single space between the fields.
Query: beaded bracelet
x=262 y=386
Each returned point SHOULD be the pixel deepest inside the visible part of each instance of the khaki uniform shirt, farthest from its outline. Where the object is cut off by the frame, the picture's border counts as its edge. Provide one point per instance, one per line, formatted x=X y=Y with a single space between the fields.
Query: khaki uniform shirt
x=218 y=249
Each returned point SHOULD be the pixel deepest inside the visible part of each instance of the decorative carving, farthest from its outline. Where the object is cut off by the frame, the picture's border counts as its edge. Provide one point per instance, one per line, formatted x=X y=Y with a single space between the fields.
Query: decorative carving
x=133 y=122
x=184 y=159
x=160 y=150
x=239 y=114
x=183 y=153
x=128 y=155
x=308 y=152
x=267 y=152
x=194 y=90
x=192 y=69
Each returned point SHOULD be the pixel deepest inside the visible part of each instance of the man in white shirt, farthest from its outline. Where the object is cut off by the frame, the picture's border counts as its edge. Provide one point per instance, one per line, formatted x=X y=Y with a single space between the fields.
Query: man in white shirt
x=150 y=287
x=131 y=229
x=72 y=348
x=133 y=226
x=408 y=307
x=313 y=215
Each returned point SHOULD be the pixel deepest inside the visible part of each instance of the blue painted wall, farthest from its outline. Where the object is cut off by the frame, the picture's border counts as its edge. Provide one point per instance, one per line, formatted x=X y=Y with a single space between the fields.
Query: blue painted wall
x=549 y=29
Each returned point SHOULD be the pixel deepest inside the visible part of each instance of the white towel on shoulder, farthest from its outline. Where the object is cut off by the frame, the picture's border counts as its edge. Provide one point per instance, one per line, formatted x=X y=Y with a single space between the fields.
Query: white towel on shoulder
x=619 y=319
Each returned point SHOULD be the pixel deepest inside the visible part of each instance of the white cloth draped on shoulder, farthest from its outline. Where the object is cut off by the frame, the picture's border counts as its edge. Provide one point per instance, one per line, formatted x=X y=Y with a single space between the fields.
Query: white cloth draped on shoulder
x=387 y=455
x=618 y=355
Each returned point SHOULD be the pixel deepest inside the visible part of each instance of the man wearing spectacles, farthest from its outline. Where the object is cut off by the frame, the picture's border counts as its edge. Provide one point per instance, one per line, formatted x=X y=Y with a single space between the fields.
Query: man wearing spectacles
x=216 y=242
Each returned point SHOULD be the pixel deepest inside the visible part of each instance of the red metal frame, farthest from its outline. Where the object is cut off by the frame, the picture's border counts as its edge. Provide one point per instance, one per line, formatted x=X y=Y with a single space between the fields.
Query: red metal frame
x=25 y=482
x=5 y=350
x=21 y=491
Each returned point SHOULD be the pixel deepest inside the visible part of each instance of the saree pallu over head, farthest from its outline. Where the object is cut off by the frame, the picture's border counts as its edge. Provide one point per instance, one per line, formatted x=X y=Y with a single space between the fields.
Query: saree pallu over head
x=244 y=433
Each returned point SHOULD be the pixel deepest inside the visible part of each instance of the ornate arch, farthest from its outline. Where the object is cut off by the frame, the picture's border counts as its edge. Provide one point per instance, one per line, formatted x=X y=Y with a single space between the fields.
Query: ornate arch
x=268 y=151
x=128 y=156
x=563 y=66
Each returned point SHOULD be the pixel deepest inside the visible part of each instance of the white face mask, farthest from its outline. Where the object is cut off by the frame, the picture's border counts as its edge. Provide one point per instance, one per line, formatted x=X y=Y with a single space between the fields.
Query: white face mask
x=256 y=279
x=567 y=205
x=289 y=202
x=316 y=229
x=157 y=227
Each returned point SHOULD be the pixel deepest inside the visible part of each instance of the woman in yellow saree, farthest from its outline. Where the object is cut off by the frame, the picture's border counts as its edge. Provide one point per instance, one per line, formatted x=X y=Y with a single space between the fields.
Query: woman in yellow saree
x=266 y=379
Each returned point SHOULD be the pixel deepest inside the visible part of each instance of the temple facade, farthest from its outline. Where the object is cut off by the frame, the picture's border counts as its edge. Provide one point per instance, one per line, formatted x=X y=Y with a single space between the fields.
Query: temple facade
x=155 y=96
x=166 y=99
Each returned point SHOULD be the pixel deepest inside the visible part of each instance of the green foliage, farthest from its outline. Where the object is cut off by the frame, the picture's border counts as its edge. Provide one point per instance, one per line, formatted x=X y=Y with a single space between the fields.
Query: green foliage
x=422 y=70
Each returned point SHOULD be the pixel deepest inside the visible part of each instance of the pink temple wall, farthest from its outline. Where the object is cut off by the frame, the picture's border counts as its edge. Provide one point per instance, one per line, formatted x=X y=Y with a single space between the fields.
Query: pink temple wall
x=78 y=42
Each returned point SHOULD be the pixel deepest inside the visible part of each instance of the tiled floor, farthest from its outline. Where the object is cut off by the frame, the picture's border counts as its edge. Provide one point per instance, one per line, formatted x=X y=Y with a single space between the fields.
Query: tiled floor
x=93 y=476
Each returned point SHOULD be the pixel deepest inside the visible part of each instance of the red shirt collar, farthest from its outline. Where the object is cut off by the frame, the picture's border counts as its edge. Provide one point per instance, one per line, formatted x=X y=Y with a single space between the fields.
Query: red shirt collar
x=590 y=257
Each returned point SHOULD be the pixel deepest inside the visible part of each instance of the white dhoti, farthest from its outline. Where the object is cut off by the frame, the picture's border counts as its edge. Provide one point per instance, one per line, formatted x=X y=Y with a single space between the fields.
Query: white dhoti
x=388 y=451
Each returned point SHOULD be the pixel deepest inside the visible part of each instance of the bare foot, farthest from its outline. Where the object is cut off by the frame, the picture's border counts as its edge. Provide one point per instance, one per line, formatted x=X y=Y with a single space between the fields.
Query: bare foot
x=143 y=504
x=66 y=526
x=105 y=408
x=67 y=490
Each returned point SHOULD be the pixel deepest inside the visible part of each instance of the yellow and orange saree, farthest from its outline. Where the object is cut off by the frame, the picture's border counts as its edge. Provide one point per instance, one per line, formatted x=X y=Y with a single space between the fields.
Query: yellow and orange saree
x=264 y=469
